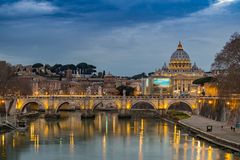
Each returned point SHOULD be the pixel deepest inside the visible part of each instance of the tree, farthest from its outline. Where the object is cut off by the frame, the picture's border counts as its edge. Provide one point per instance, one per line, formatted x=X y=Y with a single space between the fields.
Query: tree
x=82 y=67
x=151 y=73
x=56 y=68
x=86 y=69
x=37 y=65
x=11 y=84
x=129 y=90
x=46 y=67
x=64 y=68
x=227 y=63
x=6 y=74
x=203 y=80
x=139 y=76
x=103 y=73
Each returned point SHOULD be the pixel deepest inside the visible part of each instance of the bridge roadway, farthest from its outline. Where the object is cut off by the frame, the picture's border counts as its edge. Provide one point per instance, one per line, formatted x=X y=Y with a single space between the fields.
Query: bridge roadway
x=55 y=102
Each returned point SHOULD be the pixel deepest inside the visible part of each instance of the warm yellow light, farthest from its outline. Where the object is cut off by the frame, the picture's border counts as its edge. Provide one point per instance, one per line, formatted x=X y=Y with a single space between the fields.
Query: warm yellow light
x=129 y=105
x=228 y=156
x=199 y=101
x=210 y=102
x=228 y=103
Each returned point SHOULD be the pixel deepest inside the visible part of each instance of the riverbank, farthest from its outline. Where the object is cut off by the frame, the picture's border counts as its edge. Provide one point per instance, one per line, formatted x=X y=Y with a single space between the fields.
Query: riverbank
x=221 y=134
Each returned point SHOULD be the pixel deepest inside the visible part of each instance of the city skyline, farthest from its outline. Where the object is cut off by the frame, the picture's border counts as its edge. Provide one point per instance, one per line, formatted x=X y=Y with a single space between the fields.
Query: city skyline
x=109 y=33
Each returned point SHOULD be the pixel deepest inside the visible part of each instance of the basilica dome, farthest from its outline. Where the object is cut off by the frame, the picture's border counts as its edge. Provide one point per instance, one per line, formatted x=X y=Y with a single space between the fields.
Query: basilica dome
x=180 y=60
x=180 y=54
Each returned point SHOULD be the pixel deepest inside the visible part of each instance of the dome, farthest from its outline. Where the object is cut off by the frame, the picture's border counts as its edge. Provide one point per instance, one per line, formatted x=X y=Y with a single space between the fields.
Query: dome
x=180 y=60
x=180 y=54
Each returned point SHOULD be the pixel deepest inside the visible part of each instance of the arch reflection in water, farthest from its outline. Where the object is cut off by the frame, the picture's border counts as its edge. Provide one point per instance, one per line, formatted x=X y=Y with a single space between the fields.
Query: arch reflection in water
x=106 y=137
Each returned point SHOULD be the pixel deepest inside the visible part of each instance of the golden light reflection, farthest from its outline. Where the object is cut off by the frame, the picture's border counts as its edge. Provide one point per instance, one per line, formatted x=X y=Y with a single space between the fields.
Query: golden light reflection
x=228 y=156
x=3 y=140
x=193 y=148
x=128 y=128
x=140 y=152
x=71 y=142
x=198 y=150
x=203 y=150
x=46 y=131
x=165 y=131
x=210 y=150
x=13 y=143
x=36 y=143
x=32 y=132
x=104 y=147
x=185 y=147
x=114 y=124
x=176 y=140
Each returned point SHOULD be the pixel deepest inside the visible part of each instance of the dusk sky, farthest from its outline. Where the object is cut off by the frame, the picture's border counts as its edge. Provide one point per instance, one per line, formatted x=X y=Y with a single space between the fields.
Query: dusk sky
x=125 y=37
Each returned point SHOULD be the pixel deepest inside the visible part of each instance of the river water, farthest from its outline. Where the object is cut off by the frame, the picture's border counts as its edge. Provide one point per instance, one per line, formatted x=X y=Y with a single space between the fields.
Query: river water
x=105 y=138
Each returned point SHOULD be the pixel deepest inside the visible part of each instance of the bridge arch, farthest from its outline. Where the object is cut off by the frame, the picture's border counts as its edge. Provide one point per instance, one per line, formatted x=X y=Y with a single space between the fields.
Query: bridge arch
x=67 y=106
x=180 y=106
x=107 y=105
x=96 y=105
x=143 y=105
x=38 y=103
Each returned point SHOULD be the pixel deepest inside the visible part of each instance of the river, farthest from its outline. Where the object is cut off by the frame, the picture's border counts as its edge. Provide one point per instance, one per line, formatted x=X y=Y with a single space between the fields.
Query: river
x=106 y=138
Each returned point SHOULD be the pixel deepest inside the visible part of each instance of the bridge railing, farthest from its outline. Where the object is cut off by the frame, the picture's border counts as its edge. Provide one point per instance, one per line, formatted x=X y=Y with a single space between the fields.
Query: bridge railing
x=105 y=97
x=121 y=97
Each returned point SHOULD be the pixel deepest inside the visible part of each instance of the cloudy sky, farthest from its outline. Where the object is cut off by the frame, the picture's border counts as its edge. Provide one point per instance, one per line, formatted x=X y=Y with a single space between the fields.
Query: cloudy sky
x=125 y=37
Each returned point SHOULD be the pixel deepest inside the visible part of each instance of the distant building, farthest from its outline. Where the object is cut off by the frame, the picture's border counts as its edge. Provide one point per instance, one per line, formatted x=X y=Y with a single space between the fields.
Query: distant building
x=68 y=74
x=109 y=85
x=137 y=85
x=175 y=78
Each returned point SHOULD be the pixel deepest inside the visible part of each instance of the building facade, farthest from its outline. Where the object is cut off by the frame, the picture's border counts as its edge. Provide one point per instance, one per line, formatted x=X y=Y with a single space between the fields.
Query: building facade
x=176 y=78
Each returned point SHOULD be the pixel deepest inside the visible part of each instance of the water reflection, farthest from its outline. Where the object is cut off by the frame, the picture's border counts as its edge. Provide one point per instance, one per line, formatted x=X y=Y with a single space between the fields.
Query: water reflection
x=105 y=138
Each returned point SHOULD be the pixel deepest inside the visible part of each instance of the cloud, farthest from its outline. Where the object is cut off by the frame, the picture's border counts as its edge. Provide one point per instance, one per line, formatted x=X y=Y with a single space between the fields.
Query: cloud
x=27 y=8
x=219 y=7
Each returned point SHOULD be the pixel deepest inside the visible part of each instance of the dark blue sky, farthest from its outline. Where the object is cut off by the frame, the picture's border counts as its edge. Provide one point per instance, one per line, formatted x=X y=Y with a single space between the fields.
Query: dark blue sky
x=122 y=36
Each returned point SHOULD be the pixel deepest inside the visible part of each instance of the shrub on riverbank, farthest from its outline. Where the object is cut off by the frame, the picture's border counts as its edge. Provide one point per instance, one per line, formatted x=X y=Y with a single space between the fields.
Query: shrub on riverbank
x=177 y=115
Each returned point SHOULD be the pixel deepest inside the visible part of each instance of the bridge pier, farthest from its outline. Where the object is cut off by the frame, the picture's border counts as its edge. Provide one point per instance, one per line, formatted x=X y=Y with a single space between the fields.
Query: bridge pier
x=10 y=106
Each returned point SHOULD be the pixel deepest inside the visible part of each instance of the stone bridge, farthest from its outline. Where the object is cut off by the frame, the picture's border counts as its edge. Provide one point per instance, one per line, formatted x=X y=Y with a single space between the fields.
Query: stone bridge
x=91 y=102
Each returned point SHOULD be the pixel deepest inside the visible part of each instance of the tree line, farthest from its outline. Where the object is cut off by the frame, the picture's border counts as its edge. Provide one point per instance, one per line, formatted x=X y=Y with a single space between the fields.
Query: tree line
x=81 y=68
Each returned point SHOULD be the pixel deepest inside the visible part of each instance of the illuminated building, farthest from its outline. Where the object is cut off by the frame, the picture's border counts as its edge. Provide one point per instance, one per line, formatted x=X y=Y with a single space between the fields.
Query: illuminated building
x=109 y=85
x=176 y=78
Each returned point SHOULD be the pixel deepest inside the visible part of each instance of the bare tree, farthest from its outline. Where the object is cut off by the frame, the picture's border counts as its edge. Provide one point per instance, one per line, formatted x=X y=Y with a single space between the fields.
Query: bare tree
x=11 y=83
x=6 y=74
x=227 y=62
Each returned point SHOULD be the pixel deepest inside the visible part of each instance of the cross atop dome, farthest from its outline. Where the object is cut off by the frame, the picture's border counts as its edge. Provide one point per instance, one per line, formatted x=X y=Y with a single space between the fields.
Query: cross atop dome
x=180 y=47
